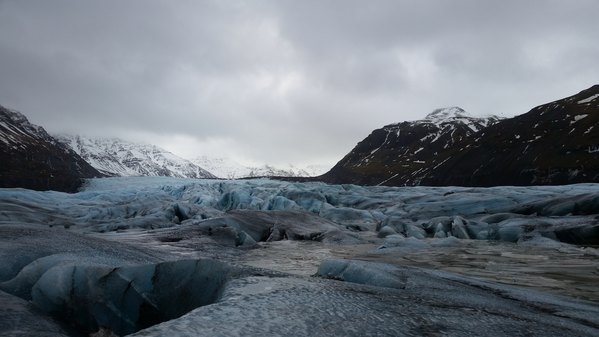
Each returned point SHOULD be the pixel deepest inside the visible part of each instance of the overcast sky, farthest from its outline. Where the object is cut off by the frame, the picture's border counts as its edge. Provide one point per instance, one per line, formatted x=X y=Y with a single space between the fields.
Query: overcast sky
x=279 y=81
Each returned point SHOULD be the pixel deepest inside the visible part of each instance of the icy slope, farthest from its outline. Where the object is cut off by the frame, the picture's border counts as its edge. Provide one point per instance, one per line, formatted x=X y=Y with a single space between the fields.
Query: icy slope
x=117 y=157
x=452 y=117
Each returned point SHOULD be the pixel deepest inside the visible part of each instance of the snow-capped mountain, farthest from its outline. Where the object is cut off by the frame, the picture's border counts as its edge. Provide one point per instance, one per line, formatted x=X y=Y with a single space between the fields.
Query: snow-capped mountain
x=33 y=159
x=401 y=153
x=555 y=143
x=316 y=170
x=117 y=157
x=221 y=167
x=446 y=118
x=230 y=169
x=289 y=170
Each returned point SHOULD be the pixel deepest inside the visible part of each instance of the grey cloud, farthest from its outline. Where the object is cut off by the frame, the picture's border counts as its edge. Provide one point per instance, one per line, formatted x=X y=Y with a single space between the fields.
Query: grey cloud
x=285 y=81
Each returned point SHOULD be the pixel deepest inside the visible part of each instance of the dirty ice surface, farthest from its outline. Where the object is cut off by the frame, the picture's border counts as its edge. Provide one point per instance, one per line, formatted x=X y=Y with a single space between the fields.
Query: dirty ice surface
x=165 y=256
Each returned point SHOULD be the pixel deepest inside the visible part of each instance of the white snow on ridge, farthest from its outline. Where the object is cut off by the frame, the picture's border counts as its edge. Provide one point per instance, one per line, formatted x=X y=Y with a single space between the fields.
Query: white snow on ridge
x=456 y=114
x=118 y=157
x=444 y=117
x=589 y=99
x=114 y=156
x=14 y=127
x=444 y=114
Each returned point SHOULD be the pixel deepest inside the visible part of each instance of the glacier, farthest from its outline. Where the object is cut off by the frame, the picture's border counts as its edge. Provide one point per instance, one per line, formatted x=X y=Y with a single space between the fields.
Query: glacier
x=154 y=256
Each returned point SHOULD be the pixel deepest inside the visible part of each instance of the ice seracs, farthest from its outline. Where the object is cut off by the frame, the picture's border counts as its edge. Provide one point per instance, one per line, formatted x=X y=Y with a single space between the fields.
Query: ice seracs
x=126 y=253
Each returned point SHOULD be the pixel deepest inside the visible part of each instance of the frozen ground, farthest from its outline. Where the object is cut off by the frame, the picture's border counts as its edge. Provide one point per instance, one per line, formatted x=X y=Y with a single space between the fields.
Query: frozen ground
x=262 y=257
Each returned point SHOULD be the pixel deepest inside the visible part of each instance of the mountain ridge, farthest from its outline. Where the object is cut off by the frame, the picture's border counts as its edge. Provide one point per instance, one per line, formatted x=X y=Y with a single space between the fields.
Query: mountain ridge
x=118 y=157
x=402 y=150
x=33 y=159
x=553 y=143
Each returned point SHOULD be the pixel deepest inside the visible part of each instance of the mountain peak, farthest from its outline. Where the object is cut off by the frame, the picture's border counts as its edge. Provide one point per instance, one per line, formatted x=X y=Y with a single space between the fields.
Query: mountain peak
x=554 y=143
x=456 y=115
x=447 y=113
x=228 y=168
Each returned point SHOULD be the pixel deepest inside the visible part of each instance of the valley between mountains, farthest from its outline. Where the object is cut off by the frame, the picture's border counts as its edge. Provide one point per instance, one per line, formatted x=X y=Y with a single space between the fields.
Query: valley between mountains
x=452 y=225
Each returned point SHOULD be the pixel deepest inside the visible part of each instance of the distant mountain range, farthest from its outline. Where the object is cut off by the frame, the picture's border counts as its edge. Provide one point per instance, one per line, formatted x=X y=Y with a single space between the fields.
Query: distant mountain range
x=555 y=143
x=33 y=159
x=117 y=157
x=229 y=169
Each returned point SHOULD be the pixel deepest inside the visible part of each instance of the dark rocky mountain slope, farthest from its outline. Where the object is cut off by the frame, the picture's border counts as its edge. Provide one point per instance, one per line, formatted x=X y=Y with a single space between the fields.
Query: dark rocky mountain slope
x=555 y=143
x=552 y=144
x=33 y=159
x=404 y=153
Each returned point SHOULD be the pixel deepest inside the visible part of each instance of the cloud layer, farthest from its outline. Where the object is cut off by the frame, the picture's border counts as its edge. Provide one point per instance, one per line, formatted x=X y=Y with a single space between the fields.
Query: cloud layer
x=284 y=81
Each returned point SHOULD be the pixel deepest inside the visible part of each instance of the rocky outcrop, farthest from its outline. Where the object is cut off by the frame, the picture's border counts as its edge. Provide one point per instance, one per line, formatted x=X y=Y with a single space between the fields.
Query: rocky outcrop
x=33 y=159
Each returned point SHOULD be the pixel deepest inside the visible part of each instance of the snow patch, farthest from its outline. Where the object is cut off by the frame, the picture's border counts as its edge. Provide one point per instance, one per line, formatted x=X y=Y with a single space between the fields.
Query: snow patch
x=386 y=180
x=577 y=118
x=587 y=100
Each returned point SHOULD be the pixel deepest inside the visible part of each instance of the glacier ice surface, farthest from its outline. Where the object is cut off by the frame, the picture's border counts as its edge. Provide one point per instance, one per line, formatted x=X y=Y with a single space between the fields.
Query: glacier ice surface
x=128 y=253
